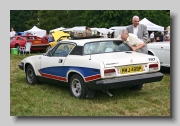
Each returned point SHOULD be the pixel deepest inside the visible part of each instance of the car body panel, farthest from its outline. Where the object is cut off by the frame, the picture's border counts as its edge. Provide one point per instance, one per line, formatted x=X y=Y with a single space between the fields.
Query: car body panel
x=162 y=51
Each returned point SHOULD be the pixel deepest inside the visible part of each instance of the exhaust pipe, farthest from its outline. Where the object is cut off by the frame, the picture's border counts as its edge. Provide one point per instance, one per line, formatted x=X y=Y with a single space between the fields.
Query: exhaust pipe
x=108 y=93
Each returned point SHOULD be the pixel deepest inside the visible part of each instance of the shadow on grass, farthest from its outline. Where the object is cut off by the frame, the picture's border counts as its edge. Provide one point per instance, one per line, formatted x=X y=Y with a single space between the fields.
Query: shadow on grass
x=165 y=70
x=117 y=93
x=120 y=93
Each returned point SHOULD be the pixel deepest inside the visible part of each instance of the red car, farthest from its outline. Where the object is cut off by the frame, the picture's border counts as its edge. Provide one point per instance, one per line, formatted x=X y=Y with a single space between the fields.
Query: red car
x=38 y=44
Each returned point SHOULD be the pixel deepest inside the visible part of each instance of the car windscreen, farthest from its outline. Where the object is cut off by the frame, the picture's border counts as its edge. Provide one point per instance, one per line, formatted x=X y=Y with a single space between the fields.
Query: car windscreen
x=105 y=47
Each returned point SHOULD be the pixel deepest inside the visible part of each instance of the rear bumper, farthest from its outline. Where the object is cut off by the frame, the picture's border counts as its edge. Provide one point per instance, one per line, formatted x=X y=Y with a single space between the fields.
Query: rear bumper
x=113 y=83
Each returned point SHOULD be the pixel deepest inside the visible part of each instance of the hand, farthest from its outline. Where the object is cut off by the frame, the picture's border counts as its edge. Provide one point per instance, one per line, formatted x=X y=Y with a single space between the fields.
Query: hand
x=133 y=48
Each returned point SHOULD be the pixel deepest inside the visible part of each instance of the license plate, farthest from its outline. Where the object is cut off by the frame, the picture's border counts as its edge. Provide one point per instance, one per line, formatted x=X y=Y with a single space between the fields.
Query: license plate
x=131 y=69
x=36 y=42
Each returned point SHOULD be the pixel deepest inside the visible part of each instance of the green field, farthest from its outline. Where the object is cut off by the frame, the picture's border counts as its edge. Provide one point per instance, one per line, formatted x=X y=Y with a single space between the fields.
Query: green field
x=53 y=100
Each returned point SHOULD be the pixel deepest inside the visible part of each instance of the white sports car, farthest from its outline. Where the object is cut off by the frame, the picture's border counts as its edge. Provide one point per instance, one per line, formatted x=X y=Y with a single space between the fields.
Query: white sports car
x=162 y=51
x=86 y=65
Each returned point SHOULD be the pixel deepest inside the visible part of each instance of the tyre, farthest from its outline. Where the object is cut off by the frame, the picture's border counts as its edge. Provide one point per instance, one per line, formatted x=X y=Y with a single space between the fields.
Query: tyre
x=30 y=75
x=77 y=86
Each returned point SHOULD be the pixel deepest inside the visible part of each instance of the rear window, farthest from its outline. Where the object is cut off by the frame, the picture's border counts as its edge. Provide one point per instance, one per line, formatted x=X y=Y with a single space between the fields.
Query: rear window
x=105 y=47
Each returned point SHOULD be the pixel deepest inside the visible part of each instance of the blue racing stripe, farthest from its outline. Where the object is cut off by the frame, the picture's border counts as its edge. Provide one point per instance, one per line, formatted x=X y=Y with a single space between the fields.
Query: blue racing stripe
x=62 y=70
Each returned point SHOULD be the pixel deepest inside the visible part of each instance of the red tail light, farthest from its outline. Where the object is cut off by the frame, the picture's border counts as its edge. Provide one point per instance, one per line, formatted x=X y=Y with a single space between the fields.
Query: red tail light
x=153 y=67
x=109 y=72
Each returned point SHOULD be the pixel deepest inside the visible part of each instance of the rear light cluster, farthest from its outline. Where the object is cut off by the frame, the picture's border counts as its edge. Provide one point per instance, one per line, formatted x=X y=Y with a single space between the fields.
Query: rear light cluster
x=153 y=67
x=109 y=72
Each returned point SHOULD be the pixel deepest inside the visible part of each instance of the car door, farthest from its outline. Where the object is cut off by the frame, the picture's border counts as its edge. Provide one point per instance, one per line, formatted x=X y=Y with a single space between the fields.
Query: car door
x=52 y=63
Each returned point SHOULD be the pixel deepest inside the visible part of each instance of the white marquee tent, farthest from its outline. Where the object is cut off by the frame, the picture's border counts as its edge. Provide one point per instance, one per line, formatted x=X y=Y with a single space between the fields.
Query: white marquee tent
x=58 y=29
x=76 y=28
x=102 y=30
x=151 y=26
x=36 y=31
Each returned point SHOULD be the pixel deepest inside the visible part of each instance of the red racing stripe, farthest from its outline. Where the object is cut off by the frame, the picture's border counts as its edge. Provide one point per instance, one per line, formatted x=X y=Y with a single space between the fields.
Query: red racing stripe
x=94 y=77
x=52 y=76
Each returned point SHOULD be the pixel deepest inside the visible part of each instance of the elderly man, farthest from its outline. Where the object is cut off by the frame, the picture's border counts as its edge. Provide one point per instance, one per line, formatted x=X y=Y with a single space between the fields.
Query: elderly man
x=138 y=29
x=133 y=41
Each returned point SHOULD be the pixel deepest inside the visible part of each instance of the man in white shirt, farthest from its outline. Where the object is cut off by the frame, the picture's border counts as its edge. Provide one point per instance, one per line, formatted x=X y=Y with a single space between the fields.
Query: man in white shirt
x=12 y=33
x=139 y=30
x=152 y=37
x=133 y=41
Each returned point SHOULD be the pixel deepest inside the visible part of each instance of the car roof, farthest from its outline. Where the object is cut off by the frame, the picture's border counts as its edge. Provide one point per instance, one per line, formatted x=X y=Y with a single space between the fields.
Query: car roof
x=81 y=42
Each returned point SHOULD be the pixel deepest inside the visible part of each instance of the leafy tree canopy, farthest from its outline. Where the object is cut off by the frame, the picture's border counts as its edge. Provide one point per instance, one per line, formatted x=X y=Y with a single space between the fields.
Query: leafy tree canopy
x=22 y=20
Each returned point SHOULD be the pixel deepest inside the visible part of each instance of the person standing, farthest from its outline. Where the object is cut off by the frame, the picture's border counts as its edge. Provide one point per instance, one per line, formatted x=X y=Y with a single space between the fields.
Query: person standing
x=139 y=30
x=88 y=31
x=12 y=33
x=152 y=37
x=50 y=38
x=109 y=35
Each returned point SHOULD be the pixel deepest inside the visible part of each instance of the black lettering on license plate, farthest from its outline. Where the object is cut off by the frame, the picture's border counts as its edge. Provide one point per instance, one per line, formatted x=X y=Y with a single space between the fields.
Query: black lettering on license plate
x=131 y=69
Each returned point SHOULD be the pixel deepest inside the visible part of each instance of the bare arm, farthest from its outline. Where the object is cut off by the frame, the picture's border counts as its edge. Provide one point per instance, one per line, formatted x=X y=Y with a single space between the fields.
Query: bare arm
x=138 y=46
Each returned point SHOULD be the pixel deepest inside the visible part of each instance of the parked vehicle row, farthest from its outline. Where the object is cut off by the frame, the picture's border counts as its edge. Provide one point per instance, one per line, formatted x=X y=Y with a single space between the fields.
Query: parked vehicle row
x=38 y=44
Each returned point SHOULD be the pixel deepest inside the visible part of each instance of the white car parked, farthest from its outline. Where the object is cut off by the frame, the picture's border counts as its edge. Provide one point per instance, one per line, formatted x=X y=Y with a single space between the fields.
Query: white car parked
x=86 y=65
x=161 y=50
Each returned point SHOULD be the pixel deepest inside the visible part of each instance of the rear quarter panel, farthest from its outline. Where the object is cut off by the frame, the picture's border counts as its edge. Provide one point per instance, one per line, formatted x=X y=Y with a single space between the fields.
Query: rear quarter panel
x=84 y=66
x=162 y=51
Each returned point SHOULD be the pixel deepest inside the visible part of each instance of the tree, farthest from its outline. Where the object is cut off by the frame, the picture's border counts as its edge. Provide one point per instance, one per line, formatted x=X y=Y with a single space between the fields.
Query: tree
x=50 y=19
x=22 y=20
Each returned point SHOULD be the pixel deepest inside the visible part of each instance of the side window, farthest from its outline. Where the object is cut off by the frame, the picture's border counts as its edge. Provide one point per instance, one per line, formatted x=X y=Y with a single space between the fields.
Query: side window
x=63 y=50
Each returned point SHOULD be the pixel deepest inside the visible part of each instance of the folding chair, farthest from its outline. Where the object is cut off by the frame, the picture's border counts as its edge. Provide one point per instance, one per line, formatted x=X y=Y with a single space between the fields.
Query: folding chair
x=25 y=49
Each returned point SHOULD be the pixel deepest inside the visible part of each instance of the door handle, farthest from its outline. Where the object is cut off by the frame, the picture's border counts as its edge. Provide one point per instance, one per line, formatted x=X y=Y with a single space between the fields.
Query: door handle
x=60 y=60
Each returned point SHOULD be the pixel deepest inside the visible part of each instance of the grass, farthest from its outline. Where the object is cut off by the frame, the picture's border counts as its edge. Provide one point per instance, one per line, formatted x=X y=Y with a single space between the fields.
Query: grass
x=54 y=100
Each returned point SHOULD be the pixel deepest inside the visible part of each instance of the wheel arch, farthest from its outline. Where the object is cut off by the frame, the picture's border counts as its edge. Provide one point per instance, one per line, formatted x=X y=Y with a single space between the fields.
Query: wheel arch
x=71 y=73
x=28 y=63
